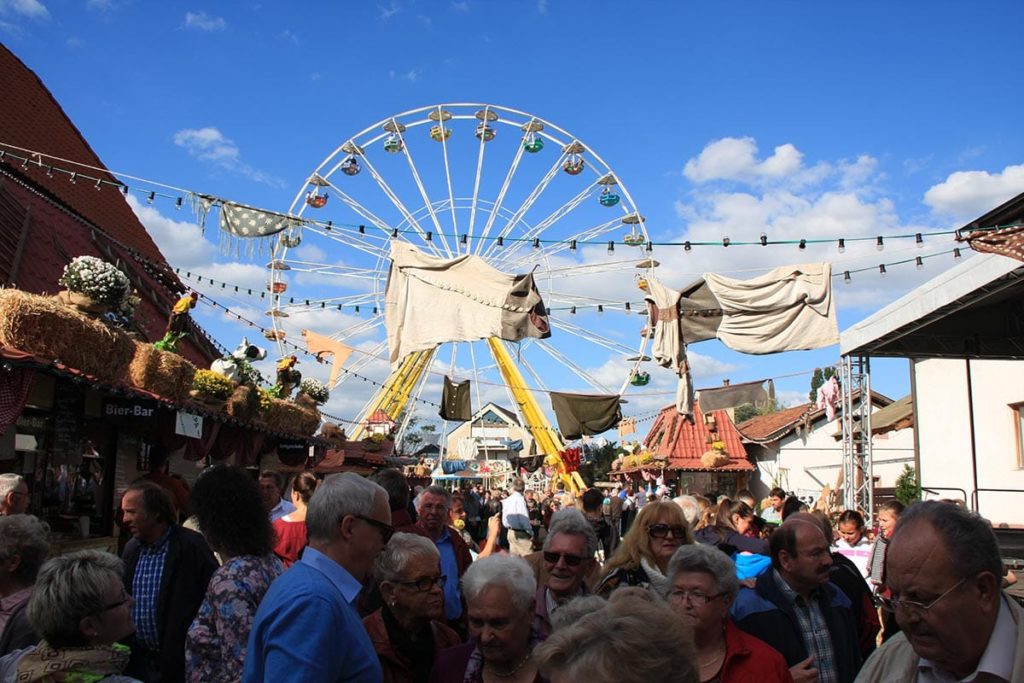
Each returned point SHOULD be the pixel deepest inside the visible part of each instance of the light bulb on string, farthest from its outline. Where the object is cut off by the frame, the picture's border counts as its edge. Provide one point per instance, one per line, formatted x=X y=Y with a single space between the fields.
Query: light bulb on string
x=881 y=270
x=956 y=253
x=764 y=239
x=726 y=241
x=151 y=197
x=536 y=243
x=572 y=246
x=842 y=245
x=919 y=262
x=846 y=277
x=880 y=243
x=462 y=238
x=686 y=246
x=919 y=240
x=803 y=244
x=501 y=241
x=650 y=247
x=611 y=247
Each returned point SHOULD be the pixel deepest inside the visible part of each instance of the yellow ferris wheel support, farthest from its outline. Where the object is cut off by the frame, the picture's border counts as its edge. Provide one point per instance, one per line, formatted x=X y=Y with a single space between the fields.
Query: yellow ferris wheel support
x=394 y=395
x=548 y=441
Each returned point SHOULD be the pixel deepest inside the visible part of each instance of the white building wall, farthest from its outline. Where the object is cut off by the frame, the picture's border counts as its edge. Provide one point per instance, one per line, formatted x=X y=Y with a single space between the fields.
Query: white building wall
x=945 y=437
x=805 y=464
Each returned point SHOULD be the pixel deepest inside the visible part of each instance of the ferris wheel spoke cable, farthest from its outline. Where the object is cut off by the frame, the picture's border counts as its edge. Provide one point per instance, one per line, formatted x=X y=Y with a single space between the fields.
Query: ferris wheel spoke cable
x=500 y=200
x=594 y=338
x=448 y=174
x=476 y=186
x=423 y=193
x=525 y=206
x=349 y=239
x=576 y=369
x=386 y=189
x=368 y=215
x=586 y=234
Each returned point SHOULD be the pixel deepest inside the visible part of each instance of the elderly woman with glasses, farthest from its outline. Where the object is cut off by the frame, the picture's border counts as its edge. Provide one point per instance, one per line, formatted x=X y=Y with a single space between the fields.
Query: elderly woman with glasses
x=703 y=586
x=409 y=630
x=24 y=546
x=80 y=609
x=499 y=594
x=642 y=557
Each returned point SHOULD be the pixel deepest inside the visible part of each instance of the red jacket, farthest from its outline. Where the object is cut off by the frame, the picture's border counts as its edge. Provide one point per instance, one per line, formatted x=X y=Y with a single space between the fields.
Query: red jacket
x=751 y=660
x=397 y=669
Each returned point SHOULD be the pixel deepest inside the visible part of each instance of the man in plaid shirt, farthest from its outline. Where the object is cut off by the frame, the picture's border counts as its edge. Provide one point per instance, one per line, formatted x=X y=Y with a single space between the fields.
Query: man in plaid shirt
x=798 y=611
x=167 y=569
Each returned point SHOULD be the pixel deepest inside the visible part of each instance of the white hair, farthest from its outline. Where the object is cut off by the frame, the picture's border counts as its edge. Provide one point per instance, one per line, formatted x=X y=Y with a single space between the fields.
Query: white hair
x=509 y=571
x=399 y=551
x=691 y=510
x=8 y=482
x=336 y=497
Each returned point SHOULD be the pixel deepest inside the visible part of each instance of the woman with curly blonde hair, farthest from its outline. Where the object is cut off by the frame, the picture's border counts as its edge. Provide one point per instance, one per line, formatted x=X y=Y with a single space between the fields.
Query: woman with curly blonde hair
x=643 y=554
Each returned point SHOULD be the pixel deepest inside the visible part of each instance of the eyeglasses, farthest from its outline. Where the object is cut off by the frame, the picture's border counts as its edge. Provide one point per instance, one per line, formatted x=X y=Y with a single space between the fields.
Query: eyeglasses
x=662 y=530
x=386 y=530
x=894 y=603
x=696 y=598
x=114 y=605
x=570 y=560
x=425 y=584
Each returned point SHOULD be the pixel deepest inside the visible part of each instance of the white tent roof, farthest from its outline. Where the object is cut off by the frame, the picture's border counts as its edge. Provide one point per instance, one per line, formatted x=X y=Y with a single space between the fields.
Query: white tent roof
x=981 y=278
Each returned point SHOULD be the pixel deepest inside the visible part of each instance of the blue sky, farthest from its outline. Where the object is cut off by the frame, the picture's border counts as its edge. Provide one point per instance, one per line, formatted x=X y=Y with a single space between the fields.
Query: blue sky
x=802 y=120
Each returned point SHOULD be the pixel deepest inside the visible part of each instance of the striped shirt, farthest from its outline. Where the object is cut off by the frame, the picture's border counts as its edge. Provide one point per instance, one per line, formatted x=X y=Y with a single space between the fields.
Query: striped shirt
x=813 y=629
x=146 y=590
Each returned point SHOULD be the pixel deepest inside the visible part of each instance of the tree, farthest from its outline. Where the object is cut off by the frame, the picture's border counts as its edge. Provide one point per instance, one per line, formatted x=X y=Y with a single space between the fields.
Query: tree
x=908 y=491
x=819 y=378
x=599 y=462
x=749 y=410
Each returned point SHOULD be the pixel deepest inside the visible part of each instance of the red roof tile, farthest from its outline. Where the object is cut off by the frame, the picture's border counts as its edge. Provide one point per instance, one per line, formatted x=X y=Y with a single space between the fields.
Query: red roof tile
x=32 y=119
x=684 y=442
x=765 y=426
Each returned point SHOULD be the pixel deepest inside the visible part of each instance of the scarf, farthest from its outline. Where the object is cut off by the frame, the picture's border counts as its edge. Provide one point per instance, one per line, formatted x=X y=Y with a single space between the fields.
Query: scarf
x=659 y=582
x=47 y=664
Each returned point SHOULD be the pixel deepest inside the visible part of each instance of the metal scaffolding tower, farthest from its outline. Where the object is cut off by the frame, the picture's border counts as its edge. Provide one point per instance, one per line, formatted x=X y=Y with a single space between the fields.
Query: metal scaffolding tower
x=858 y=483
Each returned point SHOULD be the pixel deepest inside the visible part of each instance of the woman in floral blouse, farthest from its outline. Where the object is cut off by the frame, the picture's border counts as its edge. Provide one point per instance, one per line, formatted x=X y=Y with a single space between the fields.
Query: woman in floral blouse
x=227 y=503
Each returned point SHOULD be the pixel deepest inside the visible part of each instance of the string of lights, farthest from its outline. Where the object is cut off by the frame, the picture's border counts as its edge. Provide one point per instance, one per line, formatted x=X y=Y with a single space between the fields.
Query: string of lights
x=30 y=159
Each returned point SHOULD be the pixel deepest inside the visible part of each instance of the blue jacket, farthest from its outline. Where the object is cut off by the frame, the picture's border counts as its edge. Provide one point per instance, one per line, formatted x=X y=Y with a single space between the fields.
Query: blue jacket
x=763 y=612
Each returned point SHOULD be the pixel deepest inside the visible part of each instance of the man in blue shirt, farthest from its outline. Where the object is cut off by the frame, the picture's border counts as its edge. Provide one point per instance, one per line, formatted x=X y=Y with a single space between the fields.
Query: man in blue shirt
x=272 y=488
x=307 y=627
x=432 y=506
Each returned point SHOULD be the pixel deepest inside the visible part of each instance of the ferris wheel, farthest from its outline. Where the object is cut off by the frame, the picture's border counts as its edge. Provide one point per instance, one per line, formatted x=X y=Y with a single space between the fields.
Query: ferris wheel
x=517 y=191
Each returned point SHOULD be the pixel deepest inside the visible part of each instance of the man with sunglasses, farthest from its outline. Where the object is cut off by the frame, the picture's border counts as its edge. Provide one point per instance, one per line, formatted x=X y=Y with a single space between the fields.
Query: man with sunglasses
x=307 y=628
x=567 y=561
x=944 y=571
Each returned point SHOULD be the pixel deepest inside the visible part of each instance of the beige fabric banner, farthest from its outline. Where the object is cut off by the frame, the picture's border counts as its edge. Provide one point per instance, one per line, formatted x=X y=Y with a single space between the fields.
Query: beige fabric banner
x=320 y=345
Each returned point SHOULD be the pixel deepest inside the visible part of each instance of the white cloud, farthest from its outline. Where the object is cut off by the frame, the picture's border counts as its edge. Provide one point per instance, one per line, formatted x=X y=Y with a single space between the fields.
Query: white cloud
x=74 y=42
x=460 y=6
x=542 y=6
x=736 y=159
x=209 y=144
x=389 y=11
x=412 y=75
x=204 y=22
x=967 y=194
x=33 y=9
x=290 y=36
x=181 y=242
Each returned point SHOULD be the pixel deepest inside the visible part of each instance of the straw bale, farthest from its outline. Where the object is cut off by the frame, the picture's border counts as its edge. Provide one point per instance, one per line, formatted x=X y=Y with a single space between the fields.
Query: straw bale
x=46 y=328
x=714 y=459
x=164 y=373
x=286 y=416
x=244 y=403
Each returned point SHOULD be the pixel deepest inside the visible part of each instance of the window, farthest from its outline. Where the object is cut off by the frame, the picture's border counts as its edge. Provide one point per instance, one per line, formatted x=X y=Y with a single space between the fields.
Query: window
x=1018 y=430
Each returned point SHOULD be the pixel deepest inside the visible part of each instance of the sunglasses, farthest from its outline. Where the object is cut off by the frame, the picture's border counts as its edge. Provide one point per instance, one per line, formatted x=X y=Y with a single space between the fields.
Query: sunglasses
x=662 y=531
x=386 y=530
x=425 y=584
x=570 y=560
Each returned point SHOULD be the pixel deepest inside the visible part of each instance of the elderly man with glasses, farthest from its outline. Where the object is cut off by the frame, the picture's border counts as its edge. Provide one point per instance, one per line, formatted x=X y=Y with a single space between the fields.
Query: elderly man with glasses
x=944 y=571
x=307 y=628
x=568 y=559
x=13 y=494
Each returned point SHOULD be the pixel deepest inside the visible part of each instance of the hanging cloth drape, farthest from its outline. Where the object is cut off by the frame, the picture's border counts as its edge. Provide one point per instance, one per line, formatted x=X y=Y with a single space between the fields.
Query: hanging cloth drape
x=580 y=414
x=1005 y=241
x=14 y=387
x=455 y=403
x=430 y=301
x=668 y=348
x=627 y=426
x=758 y=394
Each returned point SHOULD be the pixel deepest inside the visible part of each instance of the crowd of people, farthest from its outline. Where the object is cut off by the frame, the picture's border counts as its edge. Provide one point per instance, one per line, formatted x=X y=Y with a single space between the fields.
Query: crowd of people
x=364 y=579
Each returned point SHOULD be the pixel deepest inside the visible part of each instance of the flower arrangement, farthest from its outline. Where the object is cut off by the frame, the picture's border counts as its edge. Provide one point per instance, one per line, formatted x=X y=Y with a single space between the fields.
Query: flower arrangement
x=212 y=384
x=315 y=389
x=266 y=399
x=96 y=279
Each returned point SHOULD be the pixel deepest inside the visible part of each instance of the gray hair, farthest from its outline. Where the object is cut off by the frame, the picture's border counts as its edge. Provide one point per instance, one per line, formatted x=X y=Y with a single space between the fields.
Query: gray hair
x=706 y=559
x=399 y=551
x=28 y=538
x=509 y=571
x=691 y=509
x=8 y=482
x=572 y=521
x=518 y=484
x=576 y=609
x=969 y=538
x=436 y=490
x=68 y=589
x=338 y=496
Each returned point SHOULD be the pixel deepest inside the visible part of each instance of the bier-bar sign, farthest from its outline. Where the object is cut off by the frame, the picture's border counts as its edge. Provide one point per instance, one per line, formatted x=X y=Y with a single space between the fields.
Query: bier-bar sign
x=125 y=412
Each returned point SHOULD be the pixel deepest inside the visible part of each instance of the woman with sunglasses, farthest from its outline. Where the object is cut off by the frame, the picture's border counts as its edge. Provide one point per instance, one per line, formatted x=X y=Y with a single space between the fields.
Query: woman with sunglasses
x=703 y=586
x=409 y=630
x=80 y=609
x=643 y=554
